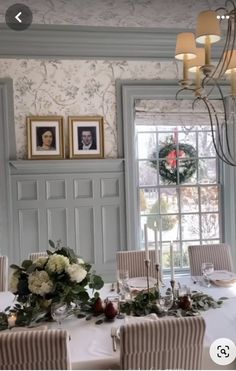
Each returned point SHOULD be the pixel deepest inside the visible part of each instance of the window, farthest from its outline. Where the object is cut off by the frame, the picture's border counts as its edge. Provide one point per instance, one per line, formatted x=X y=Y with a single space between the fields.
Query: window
x=186 y=208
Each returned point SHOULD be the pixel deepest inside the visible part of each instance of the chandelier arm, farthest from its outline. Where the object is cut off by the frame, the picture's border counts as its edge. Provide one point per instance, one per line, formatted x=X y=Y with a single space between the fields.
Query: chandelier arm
x=230 y=161
x=223 y=158
x=180 y=90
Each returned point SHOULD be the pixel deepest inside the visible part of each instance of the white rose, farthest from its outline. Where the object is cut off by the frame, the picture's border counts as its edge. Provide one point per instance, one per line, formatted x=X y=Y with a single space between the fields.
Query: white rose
x=40 y=283
x=76 y=272
x=57 y=263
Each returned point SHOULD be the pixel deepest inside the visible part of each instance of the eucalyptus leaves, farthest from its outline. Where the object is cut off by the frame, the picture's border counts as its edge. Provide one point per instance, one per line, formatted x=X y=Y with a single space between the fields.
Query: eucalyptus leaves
x=145 y=303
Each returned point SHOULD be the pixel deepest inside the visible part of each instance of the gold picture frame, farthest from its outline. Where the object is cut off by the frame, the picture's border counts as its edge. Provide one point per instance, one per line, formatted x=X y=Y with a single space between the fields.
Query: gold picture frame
x=86 y=137
x=45 y=137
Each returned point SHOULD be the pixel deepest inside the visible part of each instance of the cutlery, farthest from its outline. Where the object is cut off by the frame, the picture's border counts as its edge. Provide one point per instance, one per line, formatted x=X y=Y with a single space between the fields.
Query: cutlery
x=113 y=335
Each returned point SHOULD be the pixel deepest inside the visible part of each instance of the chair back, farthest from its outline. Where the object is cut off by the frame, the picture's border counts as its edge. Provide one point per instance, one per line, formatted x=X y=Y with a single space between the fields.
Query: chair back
x=167 y=343
x=218 y=254
x=34 y=350
x=3 y=273
x=133 y=261
x=35 y=255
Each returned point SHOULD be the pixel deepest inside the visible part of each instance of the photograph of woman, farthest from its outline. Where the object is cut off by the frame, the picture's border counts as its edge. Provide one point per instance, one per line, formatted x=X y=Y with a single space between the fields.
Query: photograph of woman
x=46 y=139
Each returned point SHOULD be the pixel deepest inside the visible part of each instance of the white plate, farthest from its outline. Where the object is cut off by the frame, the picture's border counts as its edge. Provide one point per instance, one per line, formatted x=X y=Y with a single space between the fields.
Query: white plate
x=222 y=277
x=141 y=282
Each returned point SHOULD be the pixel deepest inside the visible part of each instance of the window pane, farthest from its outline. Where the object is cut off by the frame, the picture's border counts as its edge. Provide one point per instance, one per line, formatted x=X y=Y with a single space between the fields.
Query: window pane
x=169 y=201
x=148 y=199
x=209 y=198
x=189 y=199
x=210 y=226
x=207 y=171
x=205 y=145
x=147 y=174
x=146 y=145
x=188 y=138
x=170 y=227
x=190 y=227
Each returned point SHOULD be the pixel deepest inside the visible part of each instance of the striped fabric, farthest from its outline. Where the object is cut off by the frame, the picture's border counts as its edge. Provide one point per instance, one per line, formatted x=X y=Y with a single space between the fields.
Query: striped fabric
x=3 y=273
x=168 y=343
x=218 y=254
x=133 y=261
x=34 y=350
x=35 y=255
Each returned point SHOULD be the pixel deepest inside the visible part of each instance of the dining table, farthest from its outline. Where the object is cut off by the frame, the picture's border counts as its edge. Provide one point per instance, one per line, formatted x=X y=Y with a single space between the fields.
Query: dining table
x=91 y=345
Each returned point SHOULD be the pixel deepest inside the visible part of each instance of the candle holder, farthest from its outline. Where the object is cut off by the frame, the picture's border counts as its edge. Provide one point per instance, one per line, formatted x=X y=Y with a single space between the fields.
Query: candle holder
x=147 y=265
x=157 y=265
x=175 y=298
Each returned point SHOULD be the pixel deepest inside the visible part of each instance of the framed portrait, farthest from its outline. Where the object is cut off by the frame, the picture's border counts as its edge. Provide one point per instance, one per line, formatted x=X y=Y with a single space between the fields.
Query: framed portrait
x=86 y=137
x=45 y=137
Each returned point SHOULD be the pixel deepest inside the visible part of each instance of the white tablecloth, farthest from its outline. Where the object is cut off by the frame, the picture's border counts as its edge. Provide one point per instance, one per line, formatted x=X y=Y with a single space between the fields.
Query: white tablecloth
x=91 y=345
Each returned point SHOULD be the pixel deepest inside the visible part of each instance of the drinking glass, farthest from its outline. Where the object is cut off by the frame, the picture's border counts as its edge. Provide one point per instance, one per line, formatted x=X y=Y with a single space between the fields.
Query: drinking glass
x=123 y=281
x=207 y=269
x=59 y=312
x=166 y=302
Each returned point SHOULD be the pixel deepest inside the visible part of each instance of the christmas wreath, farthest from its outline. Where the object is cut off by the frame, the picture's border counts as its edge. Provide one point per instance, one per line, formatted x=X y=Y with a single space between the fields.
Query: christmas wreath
x=168 y=155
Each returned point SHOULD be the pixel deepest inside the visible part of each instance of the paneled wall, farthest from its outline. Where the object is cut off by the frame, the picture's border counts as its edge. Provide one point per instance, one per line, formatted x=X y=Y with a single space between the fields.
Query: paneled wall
x=80 y=203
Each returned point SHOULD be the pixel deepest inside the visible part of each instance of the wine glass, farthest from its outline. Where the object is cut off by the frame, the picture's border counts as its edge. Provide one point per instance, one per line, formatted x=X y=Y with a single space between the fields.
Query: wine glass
x=59 y=312
x=207 y=269
x=123 y=281
x=166 y=301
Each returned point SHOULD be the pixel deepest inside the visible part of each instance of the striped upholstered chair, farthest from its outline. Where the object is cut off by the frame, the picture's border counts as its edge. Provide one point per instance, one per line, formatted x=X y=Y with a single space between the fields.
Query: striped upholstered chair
x=218 y=254
x=133 y=261
x=3 y=273
x=35 y=255
x=34 y=350
x=168 y=343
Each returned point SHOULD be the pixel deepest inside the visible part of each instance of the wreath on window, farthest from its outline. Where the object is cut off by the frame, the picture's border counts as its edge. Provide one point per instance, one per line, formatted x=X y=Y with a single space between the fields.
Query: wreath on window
x=169 y=155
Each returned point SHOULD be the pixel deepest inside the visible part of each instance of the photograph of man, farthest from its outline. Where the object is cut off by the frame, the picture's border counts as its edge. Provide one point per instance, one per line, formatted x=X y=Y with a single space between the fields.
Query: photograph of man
x=45 y=138
x=87 y=138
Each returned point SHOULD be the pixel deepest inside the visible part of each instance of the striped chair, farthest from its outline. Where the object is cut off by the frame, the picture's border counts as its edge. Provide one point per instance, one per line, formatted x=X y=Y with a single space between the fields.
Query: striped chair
x=35 y=255
x=34 y=350
x=167 y=343
x=218 y=254
x=3 y=273
x=133 y=261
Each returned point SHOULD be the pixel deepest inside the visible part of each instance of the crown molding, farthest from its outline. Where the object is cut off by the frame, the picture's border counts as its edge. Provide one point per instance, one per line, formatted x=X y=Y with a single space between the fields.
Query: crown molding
x=71 y=42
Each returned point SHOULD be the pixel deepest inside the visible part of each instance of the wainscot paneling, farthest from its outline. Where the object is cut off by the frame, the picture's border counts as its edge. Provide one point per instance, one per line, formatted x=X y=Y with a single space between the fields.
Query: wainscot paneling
x=81 y=203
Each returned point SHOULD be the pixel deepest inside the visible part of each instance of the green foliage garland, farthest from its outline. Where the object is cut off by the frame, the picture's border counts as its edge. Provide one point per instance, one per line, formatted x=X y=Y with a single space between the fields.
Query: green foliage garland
x=167 y=165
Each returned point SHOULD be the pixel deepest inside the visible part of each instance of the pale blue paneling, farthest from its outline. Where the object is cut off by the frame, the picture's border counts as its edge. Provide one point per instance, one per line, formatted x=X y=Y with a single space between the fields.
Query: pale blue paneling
x=57 y=223
x=28 y=232
x=85 y=233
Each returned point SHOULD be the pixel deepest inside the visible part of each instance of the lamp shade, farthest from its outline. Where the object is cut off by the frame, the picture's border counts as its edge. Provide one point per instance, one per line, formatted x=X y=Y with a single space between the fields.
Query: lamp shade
x=185 y=46
x=231 y=59
x=199 y=61
x=207 y=25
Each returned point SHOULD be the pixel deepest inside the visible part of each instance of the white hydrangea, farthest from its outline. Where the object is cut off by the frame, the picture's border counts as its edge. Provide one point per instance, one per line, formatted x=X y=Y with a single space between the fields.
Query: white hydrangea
x=39 y=283
x=57 y=263
x=76 y=272
x=14 y=280
x=39 y=263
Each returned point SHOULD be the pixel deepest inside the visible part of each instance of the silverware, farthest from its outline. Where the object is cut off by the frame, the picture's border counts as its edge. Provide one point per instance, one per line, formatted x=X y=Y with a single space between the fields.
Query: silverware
x=113 y=335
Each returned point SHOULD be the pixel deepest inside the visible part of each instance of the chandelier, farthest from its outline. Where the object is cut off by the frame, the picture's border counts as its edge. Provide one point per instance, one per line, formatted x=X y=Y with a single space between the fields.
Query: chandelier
x=208 y=75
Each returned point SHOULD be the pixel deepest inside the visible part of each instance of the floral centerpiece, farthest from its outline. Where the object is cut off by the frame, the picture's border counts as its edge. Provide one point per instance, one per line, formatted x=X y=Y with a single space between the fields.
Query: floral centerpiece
x=60 y=277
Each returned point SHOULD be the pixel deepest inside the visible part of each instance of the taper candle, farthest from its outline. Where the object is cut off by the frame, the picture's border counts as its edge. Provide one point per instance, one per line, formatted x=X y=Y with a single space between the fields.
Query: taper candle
x=172 y=261
x=146 y=242
x=156 y=245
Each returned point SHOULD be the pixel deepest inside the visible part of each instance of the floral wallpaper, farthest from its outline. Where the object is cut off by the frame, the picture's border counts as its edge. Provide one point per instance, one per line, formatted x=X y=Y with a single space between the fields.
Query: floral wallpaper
x=74 y=87
x=117 y=13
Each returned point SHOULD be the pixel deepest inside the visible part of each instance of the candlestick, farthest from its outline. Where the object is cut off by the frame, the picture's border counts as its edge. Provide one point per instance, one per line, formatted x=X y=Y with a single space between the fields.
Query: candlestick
x=147 y=264
x=146 y=242
x=157 y=287
x=172 y=261
x=11 y=320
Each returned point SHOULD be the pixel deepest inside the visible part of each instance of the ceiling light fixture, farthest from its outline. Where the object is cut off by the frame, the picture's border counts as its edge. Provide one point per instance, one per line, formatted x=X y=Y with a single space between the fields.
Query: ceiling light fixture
x=208 y=74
